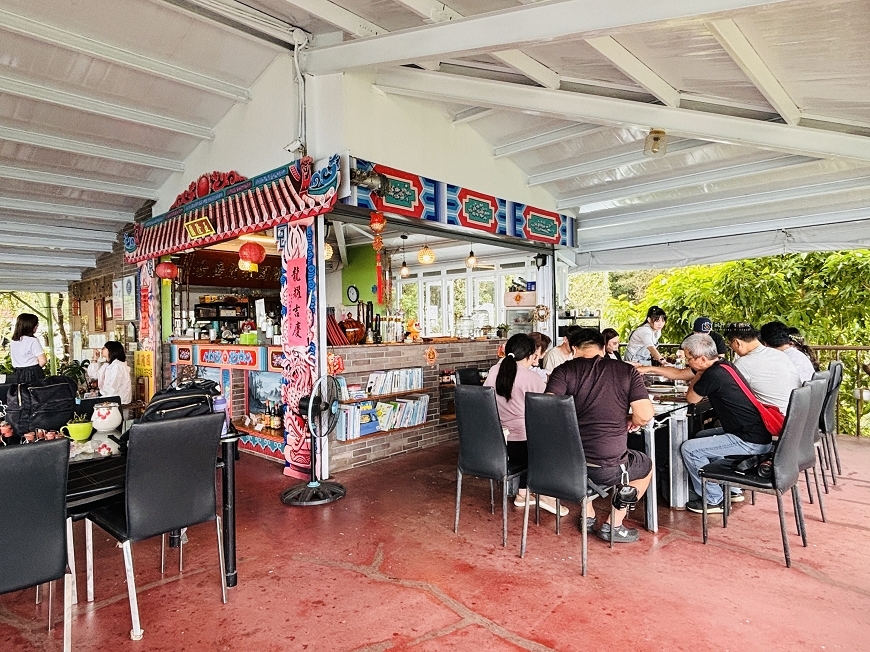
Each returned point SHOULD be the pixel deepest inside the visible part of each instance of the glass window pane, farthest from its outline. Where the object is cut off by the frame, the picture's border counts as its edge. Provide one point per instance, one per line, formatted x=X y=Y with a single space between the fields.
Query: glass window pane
x=484 y=300
x=434 y=320
x=408 y=300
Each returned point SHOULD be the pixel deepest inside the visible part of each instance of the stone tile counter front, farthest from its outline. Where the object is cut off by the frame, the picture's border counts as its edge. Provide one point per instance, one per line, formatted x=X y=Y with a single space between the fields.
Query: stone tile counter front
x=361 y=360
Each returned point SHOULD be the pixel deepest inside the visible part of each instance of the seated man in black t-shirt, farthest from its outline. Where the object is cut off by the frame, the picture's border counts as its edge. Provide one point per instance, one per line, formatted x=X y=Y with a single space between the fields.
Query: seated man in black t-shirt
x=742 y=431
x=603 y=390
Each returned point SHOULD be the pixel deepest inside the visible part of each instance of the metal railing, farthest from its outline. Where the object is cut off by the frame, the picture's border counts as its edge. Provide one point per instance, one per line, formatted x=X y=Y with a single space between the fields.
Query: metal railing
x=856 y=380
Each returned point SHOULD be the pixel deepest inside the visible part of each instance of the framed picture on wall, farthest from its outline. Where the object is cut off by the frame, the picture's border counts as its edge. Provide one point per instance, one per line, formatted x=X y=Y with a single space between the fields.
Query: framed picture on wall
x=75 y=307
x=99 y=315
x=107 y=310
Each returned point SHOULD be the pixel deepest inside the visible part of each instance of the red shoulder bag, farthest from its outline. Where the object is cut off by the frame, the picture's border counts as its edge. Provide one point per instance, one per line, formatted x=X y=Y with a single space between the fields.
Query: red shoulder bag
x=772 y=418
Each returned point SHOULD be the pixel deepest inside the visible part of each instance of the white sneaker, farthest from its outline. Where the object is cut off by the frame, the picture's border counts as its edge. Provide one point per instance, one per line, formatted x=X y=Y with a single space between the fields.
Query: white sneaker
x=549 y=504
x=520 y=499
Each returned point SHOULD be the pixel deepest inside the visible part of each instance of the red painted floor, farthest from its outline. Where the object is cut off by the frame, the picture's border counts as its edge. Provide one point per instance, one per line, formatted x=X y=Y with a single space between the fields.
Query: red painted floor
x=382 y=570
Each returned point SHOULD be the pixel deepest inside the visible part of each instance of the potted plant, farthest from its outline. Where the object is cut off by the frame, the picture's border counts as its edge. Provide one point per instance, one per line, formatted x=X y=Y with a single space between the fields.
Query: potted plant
x=78 y=428
x=501 y=330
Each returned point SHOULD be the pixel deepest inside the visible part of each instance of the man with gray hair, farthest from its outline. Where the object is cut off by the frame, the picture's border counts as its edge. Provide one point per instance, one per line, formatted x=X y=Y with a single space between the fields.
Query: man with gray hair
x=742 y=432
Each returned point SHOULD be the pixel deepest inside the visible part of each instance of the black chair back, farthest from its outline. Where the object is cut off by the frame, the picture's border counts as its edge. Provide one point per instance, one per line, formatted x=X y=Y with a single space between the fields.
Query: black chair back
x=787 y=455
x=818 y=391
x=4 y=392
x=468 y=376
x=86 y=405
x=829 y=411
x=33 y=513
x=171 y=474
x=482 y=448
x=557 y=464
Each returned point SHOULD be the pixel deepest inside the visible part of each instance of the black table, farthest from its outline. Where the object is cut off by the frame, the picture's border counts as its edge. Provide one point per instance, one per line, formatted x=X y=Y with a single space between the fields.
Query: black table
x=93 y=478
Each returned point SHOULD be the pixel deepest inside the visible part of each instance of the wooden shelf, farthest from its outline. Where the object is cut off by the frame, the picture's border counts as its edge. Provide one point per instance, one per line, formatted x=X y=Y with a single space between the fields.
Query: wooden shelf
x=272 y=434
x=381 y=432
x=380 y=397
x=448 y=417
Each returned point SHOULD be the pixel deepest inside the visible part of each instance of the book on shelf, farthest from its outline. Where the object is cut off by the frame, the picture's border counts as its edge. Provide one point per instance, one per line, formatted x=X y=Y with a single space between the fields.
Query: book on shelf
x=342 y=388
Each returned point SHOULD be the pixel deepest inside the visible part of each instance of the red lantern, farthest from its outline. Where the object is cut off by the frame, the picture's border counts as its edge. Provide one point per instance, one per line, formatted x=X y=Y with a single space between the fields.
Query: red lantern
x=251 y=254
x=167 y=271
x=377 y=222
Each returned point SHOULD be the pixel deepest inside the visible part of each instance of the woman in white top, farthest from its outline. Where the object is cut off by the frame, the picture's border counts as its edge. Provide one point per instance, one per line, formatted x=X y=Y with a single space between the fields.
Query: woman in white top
x=643 y=340
x=28 y=356
x=113 y=374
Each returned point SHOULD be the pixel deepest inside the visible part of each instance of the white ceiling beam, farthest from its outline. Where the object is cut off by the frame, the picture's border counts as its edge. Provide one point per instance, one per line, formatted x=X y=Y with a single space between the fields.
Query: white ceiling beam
x=35 y=286
x=49 y=141
x=578 y=107
x=740 y=49
x=746 y=228
x=614 y=157
x=531 y=68
x=635 y=187
x=60 y=274
x=9 y=226
x=81 y=183
x=545 y=139
x=55 y=243
x=10 y=255
x=432 y=10
x=229 y=14
x=636 y=69
x=506 y=30
x=119 y=56
x=340 y=240
x=79 y=102
x=470 y=115
x=591 y=222
x=12 y=204
x=338 y=16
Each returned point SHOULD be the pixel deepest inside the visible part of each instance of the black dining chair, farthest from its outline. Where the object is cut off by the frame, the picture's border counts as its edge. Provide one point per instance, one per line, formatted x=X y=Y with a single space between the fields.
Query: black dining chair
x=482 y=447
x=557 y=463
x=785 y=470
x=170 y=485
x=810 y=446
x=828 y=422
x=468 y=376
x=33 y=517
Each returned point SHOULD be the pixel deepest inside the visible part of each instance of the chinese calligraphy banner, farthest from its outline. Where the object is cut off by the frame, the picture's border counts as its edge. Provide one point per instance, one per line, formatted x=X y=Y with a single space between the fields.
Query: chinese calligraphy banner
x=297 y=302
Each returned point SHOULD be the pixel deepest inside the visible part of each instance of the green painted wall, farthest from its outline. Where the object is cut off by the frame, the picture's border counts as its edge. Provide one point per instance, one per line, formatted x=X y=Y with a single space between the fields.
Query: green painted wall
x=360 y=271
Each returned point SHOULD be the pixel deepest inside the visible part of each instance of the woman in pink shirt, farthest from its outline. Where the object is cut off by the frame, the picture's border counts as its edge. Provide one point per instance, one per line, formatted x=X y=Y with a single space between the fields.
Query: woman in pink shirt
x=512 y=377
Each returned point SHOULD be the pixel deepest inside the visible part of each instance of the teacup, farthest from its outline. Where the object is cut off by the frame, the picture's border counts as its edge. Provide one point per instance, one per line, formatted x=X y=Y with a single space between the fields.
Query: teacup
x=29 y=436
x=78 y=431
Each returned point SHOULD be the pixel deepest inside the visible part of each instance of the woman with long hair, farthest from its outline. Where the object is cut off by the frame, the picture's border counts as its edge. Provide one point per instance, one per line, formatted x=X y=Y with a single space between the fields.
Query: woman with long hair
x=542 y=343
x=644 y=339
x=512 y=377
x=611 y=343
x=111 y=372
x=28 y=356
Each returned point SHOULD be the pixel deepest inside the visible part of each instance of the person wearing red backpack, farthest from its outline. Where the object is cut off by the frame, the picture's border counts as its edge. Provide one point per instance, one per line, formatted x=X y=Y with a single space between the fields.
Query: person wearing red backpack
x=743 y=431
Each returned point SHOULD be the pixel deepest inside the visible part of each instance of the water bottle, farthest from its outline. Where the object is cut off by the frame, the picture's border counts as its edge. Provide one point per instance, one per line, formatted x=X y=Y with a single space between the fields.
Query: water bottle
x=220 y=405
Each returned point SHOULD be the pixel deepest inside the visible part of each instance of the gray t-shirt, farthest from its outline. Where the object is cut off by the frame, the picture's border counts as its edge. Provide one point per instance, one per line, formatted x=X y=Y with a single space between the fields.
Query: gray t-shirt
x=770 y=375
x=801 y=362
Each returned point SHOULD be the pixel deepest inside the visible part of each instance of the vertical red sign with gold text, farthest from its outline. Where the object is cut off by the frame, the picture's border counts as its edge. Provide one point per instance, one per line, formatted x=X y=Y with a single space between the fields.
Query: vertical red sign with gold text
x=297 y=301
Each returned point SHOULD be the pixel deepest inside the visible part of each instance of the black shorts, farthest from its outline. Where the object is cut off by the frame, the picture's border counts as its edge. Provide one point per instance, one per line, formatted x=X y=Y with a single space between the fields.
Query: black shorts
x=637 y=463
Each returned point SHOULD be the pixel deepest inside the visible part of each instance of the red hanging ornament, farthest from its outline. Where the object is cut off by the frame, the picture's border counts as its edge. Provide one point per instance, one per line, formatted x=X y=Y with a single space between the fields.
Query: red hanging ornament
x=167 y=271
x=251 y=254
x=377 y=222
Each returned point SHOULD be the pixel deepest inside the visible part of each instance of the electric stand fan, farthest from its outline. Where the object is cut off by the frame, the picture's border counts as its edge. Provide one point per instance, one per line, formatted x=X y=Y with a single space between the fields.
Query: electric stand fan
x=321 y=411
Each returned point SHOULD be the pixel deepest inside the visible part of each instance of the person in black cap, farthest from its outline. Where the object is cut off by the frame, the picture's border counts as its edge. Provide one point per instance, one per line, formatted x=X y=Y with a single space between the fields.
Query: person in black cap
x=703 y=326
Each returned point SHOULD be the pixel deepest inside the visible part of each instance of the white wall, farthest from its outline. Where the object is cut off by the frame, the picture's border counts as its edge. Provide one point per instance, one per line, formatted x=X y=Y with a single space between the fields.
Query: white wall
x=251 y=137
x=418 y=136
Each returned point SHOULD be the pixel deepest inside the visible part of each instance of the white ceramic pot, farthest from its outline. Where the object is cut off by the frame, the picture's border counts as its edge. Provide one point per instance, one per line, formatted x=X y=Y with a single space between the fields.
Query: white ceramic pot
x=107 y=417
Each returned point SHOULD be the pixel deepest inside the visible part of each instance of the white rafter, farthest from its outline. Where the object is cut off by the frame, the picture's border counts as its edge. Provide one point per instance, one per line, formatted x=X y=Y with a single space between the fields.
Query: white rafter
x=57 y=274
x=49 y=141
x=82 y=183
x=636 y=69
x=9 y=226
x=338 y=16
x=531 y=68
x=35 y=285
x=46 y=257
x=608 y=219
x=506 y=30
x=544 y=139
x=43 y=93
x=470 y=115
x=93 y=48
x=740 y=49
x=56 y=243
x=603 y=110
x=746 y=228
x=635 y=186
x=613 y=157
x=100 y=214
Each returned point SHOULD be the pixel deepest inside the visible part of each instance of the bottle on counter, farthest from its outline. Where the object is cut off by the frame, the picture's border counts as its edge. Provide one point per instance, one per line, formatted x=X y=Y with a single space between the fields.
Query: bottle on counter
x=276 y=420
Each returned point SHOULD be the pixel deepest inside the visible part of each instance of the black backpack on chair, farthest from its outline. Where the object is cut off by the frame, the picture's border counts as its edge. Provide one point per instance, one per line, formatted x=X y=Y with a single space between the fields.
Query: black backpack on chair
x=47 y=404
x=189 y=399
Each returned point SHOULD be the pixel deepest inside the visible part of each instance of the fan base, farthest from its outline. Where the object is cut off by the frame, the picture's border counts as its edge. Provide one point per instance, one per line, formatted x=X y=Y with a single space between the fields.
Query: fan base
x=313 y=493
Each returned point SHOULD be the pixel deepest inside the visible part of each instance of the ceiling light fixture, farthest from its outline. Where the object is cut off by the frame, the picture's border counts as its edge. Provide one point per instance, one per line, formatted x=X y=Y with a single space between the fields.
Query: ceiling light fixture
x=471 y=261
x=404 y=272
x=327 y=251
x=540 y=260
x=426 y=256
x=656 y=143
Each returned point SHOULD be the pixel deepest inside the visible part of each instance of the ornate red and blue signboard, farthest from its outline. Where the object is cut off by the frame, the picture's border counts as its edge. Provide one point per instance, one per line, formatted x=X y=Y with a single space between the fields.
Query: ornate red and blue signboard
x=419 y=197
x=291 y=193
x=247 y=357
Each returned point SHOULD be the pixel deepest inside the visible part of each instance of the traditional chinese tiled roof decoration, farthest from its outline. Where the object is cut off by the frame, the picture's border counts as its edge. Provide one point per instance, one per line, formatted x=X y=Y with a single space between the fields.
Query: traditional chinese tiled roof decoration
x=291 y=193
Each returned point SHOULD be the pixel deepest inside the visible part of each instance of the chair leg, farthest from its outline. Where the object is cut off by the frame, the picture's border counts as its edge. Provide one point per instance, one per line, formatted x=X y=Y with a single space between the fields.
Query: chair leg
x=38 y=596
x=782 y=529
x=819 y=494
x=809 y=489
x=182 y=537
x=800 y=513
x=584 y=553
x=726 y=505
x=135 y=633
x=162 y=553
x=820 y=454
x=50 y=605
x=71 y=558
x=89 y=558
x=458 y=495
x=220 y=542
x=830 y=455
x=525 y=529
x=537 y=509
x=752 y=497
x=491 y=497
x=504 y=492
x=559 y=518
x=796 y=505
x=67 y=610
x=612 y=519
x=833 y=436
x=704 y=509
